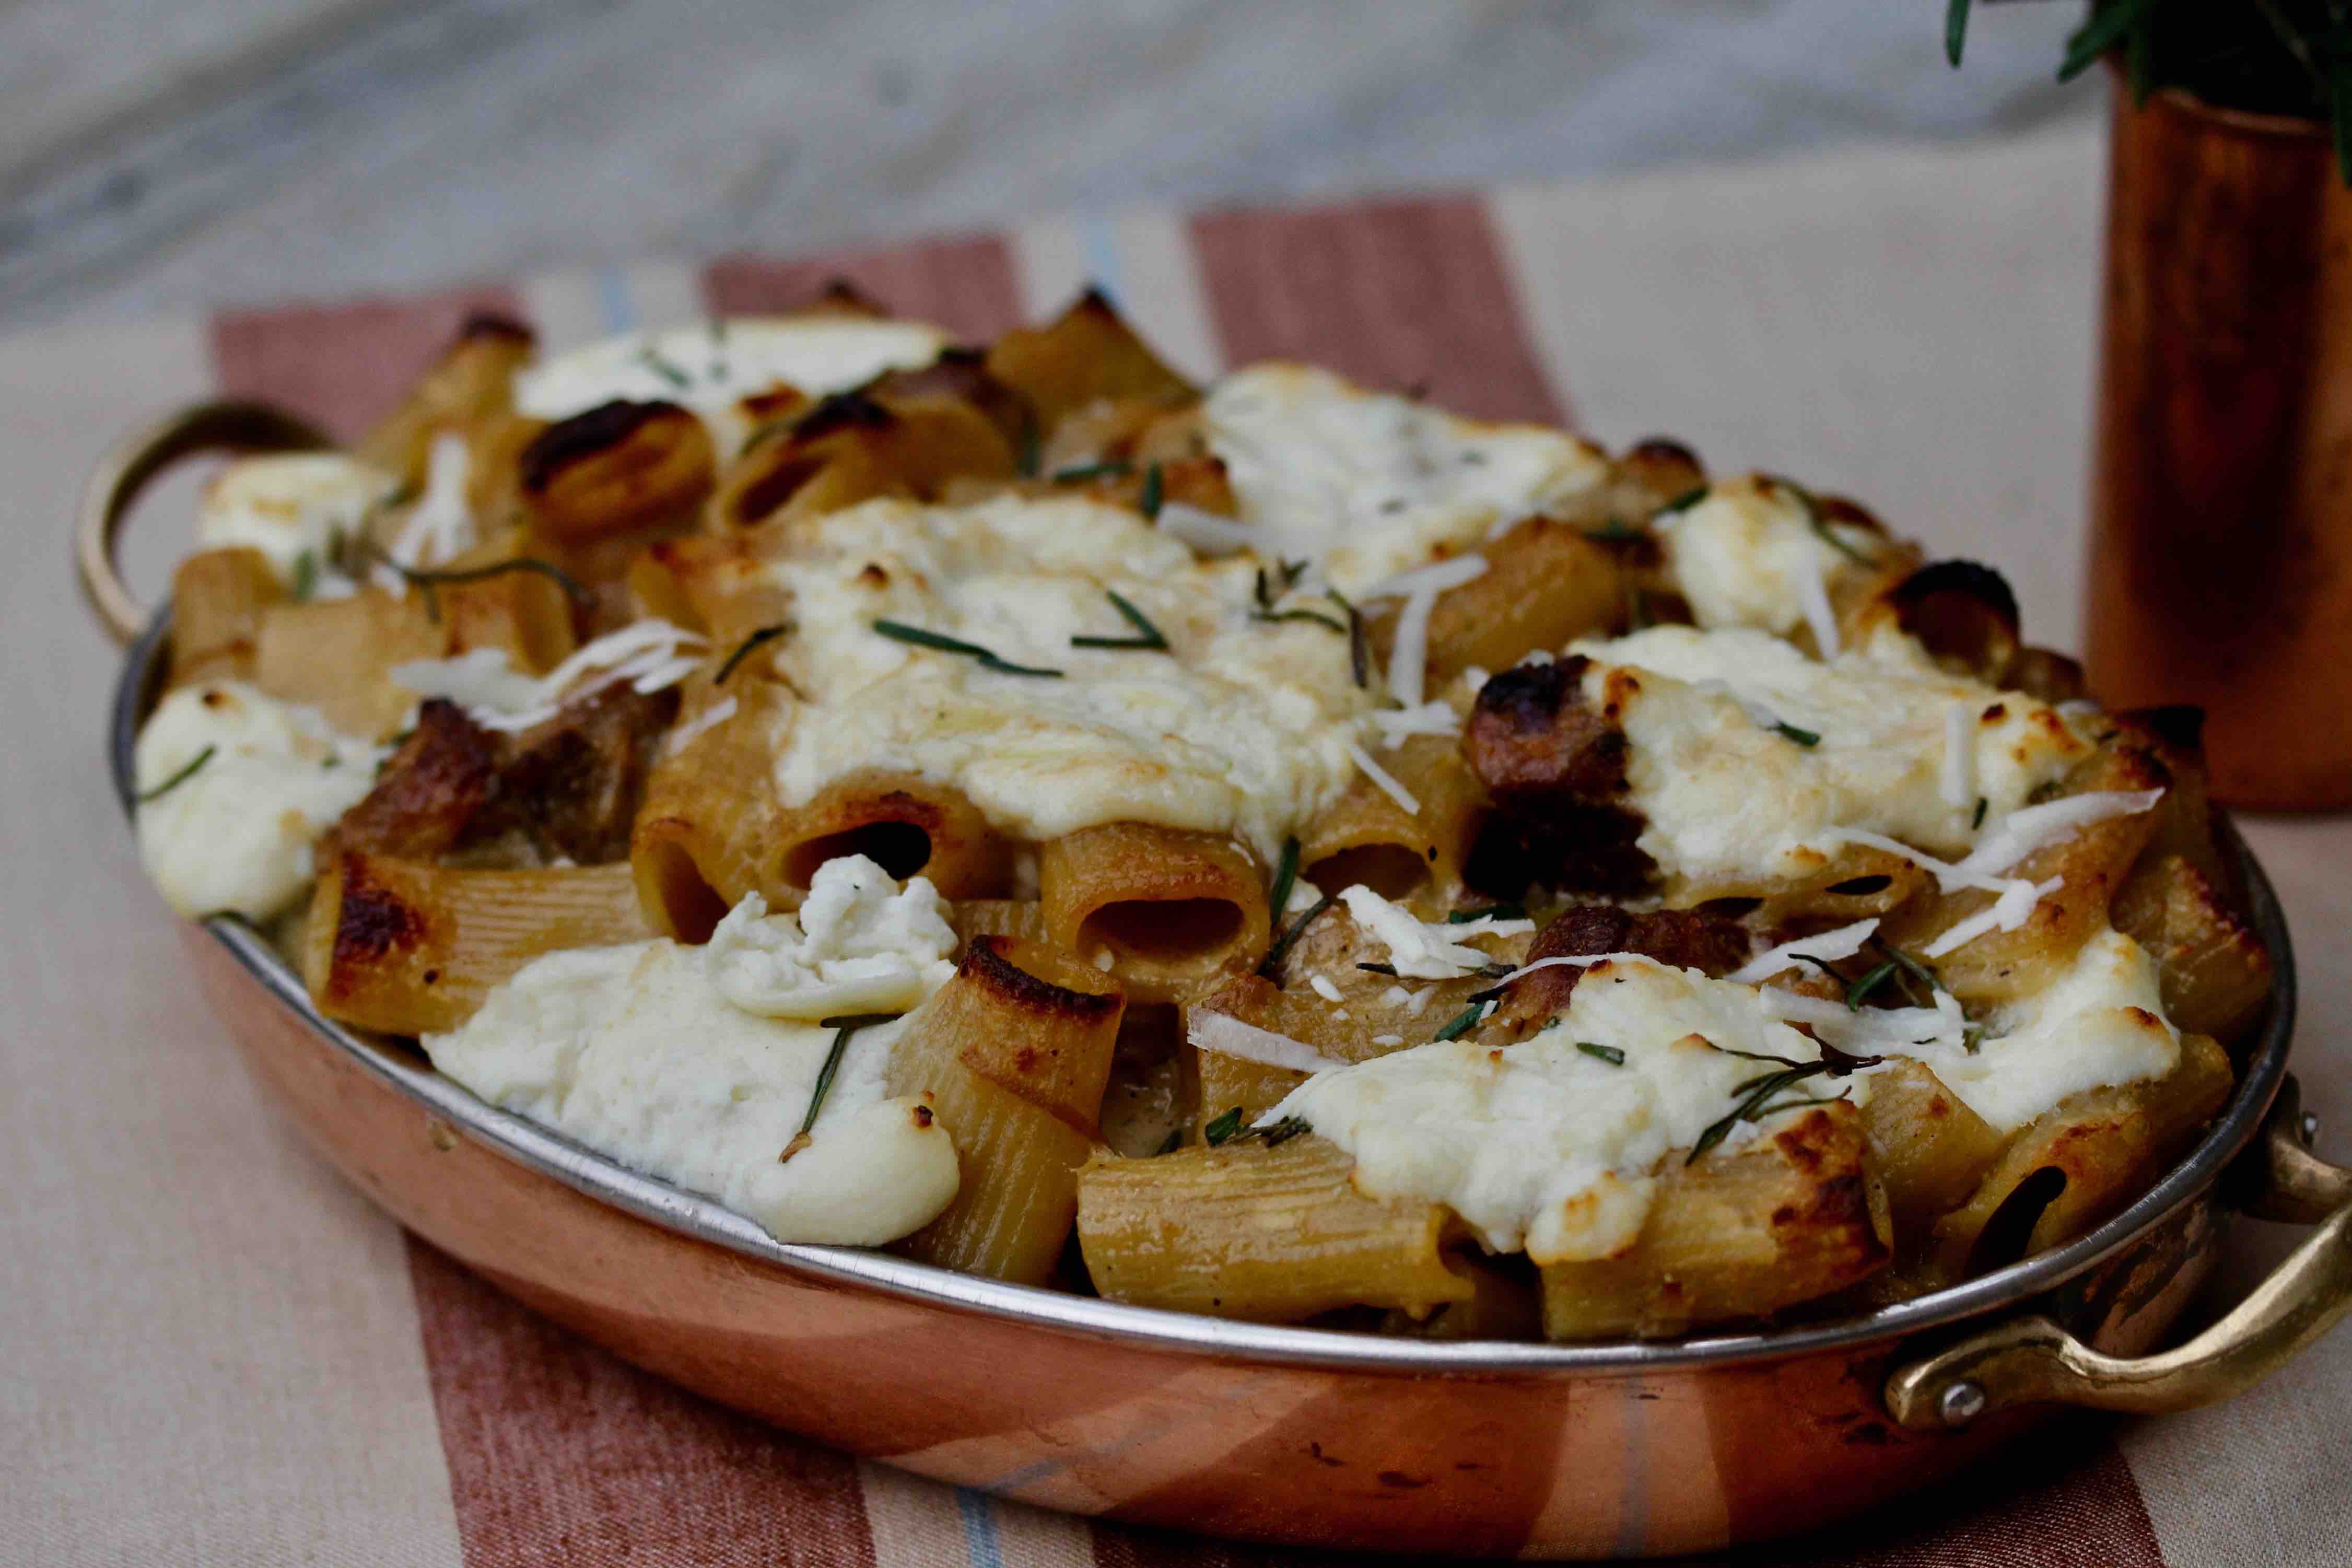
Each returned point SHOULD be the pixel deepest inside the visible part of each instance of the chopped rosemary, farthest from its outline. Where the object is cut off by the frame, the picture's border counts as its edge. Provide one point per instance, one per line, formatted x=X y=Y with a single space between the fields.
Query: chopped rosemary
x=1275 y=1134
x=1084 y=473
x=1487 y=912
x=1155 y=491
x=1610 y=1054
x=306 y=575
x=1683 y=502
x=1462 y=1023
x=1956 y=30
x=1387 y=969
x=1855 y=993
x=1759 y=1090
x=1282 y=943
x=1151 y=640
x=1802 y=737
x=1173 y=1142
x=1616 y=531
x=843 y=1027
x=766 y=634
x=1360 y=646
x=417 y=577
x=177 y=779
x=1032 y=454
x=1299 y=615
x=899 y=631
x=1285 y=877
x=668 y=370
x=1222 y=1128
x=1976 y=821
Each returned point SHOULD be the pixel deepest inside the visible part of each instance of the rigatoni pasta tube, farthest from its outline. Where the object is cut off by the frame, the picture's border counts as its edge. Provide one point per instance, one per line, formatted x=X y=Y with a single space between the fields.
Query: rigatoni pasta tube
x=219 y=597
x=1270 y=1234
x=1932 y=1149
x=1795 y=1216
x=1546 y=584
x=407 y=947
x=521 y=611
x=337 y=656
x=1174 y=909
x=473 y=382
x=708 y=832
x=1368 y=836
x=906 y=824
x=1014 y=1052
x=2075 y=1165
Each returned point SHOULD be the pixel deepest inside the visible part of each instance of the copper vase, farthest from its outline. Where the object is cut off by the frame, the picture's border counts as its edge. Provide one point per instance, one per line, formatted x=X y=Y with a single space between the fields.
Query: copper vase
x=2220 y=564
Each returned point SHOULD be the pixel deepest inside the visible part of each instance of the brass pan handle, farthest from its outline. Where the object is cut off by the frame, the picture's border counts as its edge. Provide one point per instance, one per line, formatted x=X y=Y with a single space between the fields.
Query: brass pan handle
x=133 y=462
x=2034 y=1361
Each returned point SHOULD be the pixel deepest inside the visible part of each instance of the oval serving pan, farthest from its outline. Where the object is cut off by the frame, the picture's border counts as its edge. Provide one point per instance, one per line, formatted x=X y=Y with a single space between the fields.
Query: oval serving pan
x=1295 y=1434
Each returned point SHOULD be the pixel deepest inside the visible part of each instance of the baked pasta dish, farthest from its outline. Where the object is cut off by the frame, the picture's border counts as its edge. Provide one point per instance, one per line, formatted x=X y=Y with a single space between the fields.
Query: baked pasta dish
x=1279 y=850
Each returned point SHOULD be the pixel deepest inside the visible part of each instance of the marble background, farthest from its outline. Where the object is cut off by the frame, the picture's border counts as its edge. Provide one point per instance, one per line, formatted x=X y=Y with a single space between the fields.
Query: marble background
x=201 y=151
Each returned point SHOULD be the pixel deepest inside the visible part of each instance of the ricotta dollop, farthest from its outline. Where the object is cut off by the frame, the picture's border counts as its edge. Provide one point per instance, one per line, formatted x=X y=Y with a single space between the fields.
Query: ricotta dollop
x=1369 y=485
x=289 y=505
x=1750 y=553
x=648 y=1053
x=712 y=367
x=1729 y=798
x=235 y=835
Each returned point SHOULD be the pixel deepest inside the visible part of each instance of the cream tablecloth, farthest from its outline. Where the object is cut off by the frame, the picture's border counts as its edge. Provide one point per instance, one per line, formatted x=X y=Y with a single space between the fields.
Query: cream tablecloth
x=219 y=1354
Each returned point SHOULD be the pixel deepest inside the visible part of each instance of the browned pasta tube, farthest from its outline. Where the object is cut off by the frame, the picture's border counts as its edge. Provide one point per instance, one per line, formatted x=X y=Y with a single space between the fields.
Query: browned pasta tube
x=218 y=599
x=1367 y=836
x=408 y=948
x=337 y=656
x=908 y=825
x=1174 y=909
x=1014 y=1051
x=1272 y=1235
x=1796 y=1216
x=708 y=832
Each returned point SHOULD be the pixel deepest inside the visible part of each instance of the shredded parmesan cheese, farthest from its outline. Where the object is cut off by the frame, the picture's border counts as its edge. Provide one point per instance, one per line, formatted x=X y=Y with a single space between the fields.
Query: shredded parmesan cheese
x=1323 y=987
x=1827 y=946
x=710 y=718
x=1386 y=780
x=1957 y=779
x=1226 y=1035
x=1205 y=530
x=2033 y=827
x=649 y=654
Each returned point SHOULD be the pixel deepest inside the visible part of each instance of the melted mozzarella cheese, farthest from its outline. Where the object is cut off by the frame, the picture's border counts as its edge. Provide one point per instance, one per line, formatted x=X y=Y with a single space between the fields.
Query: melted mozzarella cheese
x=646 y=1053
x=2100 y=1023
x=1543 y=1146
x=1750 y=555
x=712 y=367
x=1242 y=726
x=1730 y=801
x=291 y=504
x=1369 y=485
x=235 y=835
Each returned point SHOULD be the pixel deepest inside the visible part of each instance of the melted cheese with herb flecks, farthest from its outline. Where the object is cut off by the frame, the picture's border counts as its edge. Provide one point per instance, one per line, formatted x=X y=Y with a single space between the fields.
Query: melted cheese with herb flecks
x=1729 y=799
x=1751 y=553
x=649 y=1053
x=1552 y=1148
x=289 y=505
x=1242 y=726
x=1541 y=1146
x=235 y=835
x=1368 y=485
x=712 y=366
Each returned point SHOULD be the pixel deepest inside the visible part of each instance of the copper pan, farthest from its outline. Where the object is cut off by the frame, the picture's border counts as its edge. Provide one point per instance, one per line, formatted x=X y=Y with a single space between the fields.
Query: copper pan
x=1276 y=1434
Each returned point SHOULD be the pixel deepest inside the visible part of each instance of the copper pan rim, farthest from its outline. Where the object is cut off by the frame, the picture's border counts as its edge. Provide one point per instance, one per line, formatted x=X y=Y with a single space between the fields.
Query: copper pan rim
x=703 y=1219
